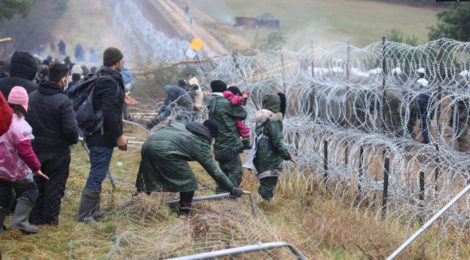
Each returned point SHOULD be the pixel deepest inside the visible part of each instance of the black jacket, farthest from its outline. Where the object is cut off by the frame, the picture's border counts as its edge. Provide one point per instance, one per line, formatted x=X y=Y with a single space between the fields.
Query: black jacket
x=23 y=68
x=6 y=84
x=51 y=116
x=108 y=96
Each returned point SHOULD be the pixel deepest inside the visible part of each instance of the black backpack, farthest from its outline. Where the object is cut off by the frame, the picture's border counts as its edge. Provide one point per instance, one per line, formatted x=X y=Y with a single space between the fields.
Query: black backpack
x=81 y=94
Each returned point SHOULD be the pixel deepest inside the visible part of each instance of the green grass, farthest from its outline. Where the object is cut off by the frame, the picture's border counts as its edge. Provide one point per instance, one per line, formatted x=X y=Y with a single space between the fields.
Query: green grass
x=325 y=21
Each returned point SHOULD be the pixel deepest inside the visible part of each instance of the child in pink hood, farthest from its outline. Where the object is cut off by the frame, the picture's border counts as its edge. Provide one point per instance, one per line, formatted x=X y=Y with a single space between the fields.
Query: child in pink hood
x=239 y=98
x=18 y=163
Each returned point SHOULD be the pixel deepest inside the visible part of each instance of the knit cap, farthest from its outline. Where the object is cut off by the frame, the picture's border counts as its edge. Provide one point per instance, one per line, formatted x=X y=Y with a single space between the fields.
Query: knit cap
x=112 y=56
x=19 y=96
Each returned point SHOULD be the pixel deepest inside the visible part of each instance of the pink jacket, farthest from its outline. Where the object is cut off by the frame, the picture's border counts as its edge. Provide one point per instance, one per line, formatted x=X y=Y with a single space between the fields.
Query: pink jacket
x=236 y=100
x=17 y=157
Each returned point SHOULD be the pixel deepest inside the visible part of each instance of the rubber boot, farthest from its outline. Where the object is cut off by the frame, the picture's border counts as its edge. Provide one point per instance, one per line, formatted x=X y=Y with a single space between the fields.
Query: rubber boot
x=23 y=208
x=184 y=209
x=97 y=212
x=3 y=214
x=88 y=203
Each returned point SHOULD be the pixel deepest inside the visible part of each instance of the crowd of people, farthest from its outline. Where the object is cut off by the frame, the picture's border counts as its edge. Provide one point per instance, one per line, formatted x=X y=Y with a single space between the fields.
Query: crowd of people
x=39 y=121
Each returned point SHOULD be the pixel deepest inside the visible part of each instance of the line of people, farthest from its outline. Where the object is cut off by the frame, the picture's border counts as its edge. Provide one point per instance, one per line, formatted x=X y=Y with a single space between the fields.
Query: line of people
x=38 y=126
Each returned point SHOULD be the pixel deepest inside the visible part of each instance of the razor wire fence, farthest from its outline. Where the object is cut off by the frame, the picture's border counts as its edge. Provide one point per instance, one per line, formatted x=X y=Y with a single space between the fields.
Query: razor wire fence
x=383 y=127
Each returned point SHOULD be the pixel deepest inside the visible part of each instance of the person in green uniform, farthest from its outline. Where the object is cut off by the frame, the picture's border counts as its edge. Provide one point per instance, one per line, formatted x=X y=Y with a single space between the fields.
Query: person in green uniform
x=164 y=166
x=271 y=151
x=228 y=145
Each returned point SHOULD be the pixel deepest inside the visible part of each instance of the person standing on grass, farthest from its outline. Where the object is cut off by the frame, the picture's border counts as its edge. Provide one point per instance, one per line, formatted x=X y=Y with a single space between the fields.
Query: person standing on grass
x=270 y=150
x=108 y=96
x=164 y=166
x=239 y=98
x=228 y=146
x=55 y=129
x=18 y=164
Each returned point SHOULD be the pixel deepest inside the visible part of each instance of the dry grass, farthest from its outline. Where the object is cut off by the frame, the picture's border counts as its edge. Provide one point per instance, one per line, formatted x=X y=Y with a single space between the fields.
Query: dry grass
x=142 y=227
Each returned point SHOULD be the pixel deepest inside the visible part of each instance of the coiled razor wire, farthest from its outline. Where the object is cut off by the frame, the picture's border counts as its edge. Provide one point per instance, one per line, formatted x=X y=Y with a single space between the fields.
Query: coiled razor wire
x=354 y=118
x=353 y=122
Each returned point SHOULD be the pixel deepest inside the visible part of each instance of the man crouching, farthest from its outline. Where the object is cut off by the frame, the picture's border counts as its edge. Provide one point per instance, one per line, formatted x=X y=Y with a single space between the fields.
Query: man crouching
x=164 y=166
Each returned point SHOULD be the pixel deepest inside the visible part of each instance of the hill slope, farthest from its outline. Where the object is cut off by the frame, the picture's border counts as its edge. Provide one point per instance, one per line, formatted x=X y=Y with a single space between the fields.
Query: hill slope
x=358 y=21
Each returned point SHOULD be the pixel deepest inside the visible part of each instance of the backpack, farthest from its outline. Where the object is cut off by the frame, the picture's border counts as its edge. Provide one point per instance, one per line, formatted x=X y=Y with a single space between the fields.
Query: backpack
x=254 y=149
x=81 y=94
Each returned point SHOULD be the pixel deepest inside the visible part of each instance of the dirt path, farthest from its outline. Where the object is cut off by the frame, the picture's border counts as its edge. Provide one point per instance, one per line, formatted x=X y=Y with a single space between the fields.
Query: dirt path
x=159 y=21
x=212 y=45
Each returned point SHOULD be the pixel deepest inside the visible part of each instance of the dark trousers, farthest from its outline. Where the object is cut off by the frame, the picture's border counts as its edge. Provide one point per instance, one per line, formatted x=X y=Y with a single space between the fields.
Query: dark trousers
x=25 y=188
x=186 y=198
x=56 y=167
x=233 y=170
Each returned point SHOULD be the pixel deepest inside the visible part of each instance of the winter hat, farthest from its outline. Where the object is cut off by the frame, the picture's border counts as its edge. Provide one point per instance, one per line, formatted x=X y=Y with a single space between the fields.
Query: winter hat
x=76 y=70
x=272 y=102
x=76 y=77
x=112 y=56
x=182 y=83
x=23 y=65
x=235 y=90
x=218 y=86
x=19 y=96
x=423 y=83
x=212 y=126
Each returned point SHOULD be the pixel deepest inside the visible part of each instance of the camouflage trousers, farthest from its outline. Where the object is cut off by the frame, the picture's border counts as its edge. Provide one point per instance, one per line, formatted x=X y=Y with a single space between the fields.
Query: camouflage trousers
x=233 y=170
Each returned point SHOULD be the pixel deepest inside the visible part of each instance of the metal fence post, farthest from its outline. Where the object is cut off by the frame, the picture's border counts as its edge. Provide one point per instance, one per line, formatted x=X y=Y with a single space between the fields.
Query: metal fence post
x=421 y=195
x=325 y=162
x=361 y=163
x=385 y=187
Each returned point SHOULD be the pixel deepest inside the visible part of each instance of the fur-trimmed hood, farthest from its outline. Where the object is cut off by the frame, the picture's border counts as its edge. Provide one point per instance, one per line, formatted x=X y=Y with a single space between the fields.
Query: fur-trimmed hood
x=262 y=115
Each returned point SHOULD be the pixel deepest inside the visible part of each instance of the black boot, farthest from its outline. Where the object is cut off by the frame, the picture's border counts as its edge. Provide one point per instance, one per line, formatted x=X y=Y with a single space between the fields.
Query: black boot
x=3 y=214
x=185 y=209
x=97 y=213
x=23 y=208
x=185 y=203
x=88 y=203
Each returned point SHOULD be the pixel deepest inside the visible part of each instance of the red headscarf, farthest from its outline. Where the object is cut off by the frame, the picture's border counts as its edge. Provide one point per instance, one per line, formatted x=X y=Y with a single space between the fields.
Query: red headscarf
x=5 y=115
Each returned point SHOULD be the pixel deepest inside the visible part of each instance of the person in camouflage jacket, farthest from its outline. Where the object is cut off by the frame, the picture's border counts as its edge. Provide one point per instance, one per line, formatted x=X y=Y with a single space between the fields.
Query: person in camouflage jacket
x=164 y=164
x=271 y=151
x=228 y=146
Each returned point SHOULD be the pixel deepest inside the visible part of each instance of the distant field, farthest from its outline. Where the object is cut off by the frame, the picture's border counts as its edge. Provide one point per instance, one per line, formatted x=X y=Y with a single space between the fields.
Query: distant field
x=358 y=21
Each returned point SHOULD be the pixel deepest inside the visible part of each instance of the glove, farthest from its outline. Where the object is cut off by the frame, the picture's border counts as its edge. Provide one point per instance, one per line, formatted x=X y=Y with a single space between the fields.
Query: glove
x=236 y=192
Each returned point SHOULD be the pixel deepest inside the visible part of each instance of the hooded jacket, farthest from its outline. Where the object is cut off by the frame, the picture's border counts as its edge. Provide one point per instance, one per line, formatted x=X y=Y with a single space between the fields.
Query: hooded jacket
x=224 y=113
x=271 y=150
x=52 y=118
x=23 y=68
x=108 y=96
x=164 y=154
